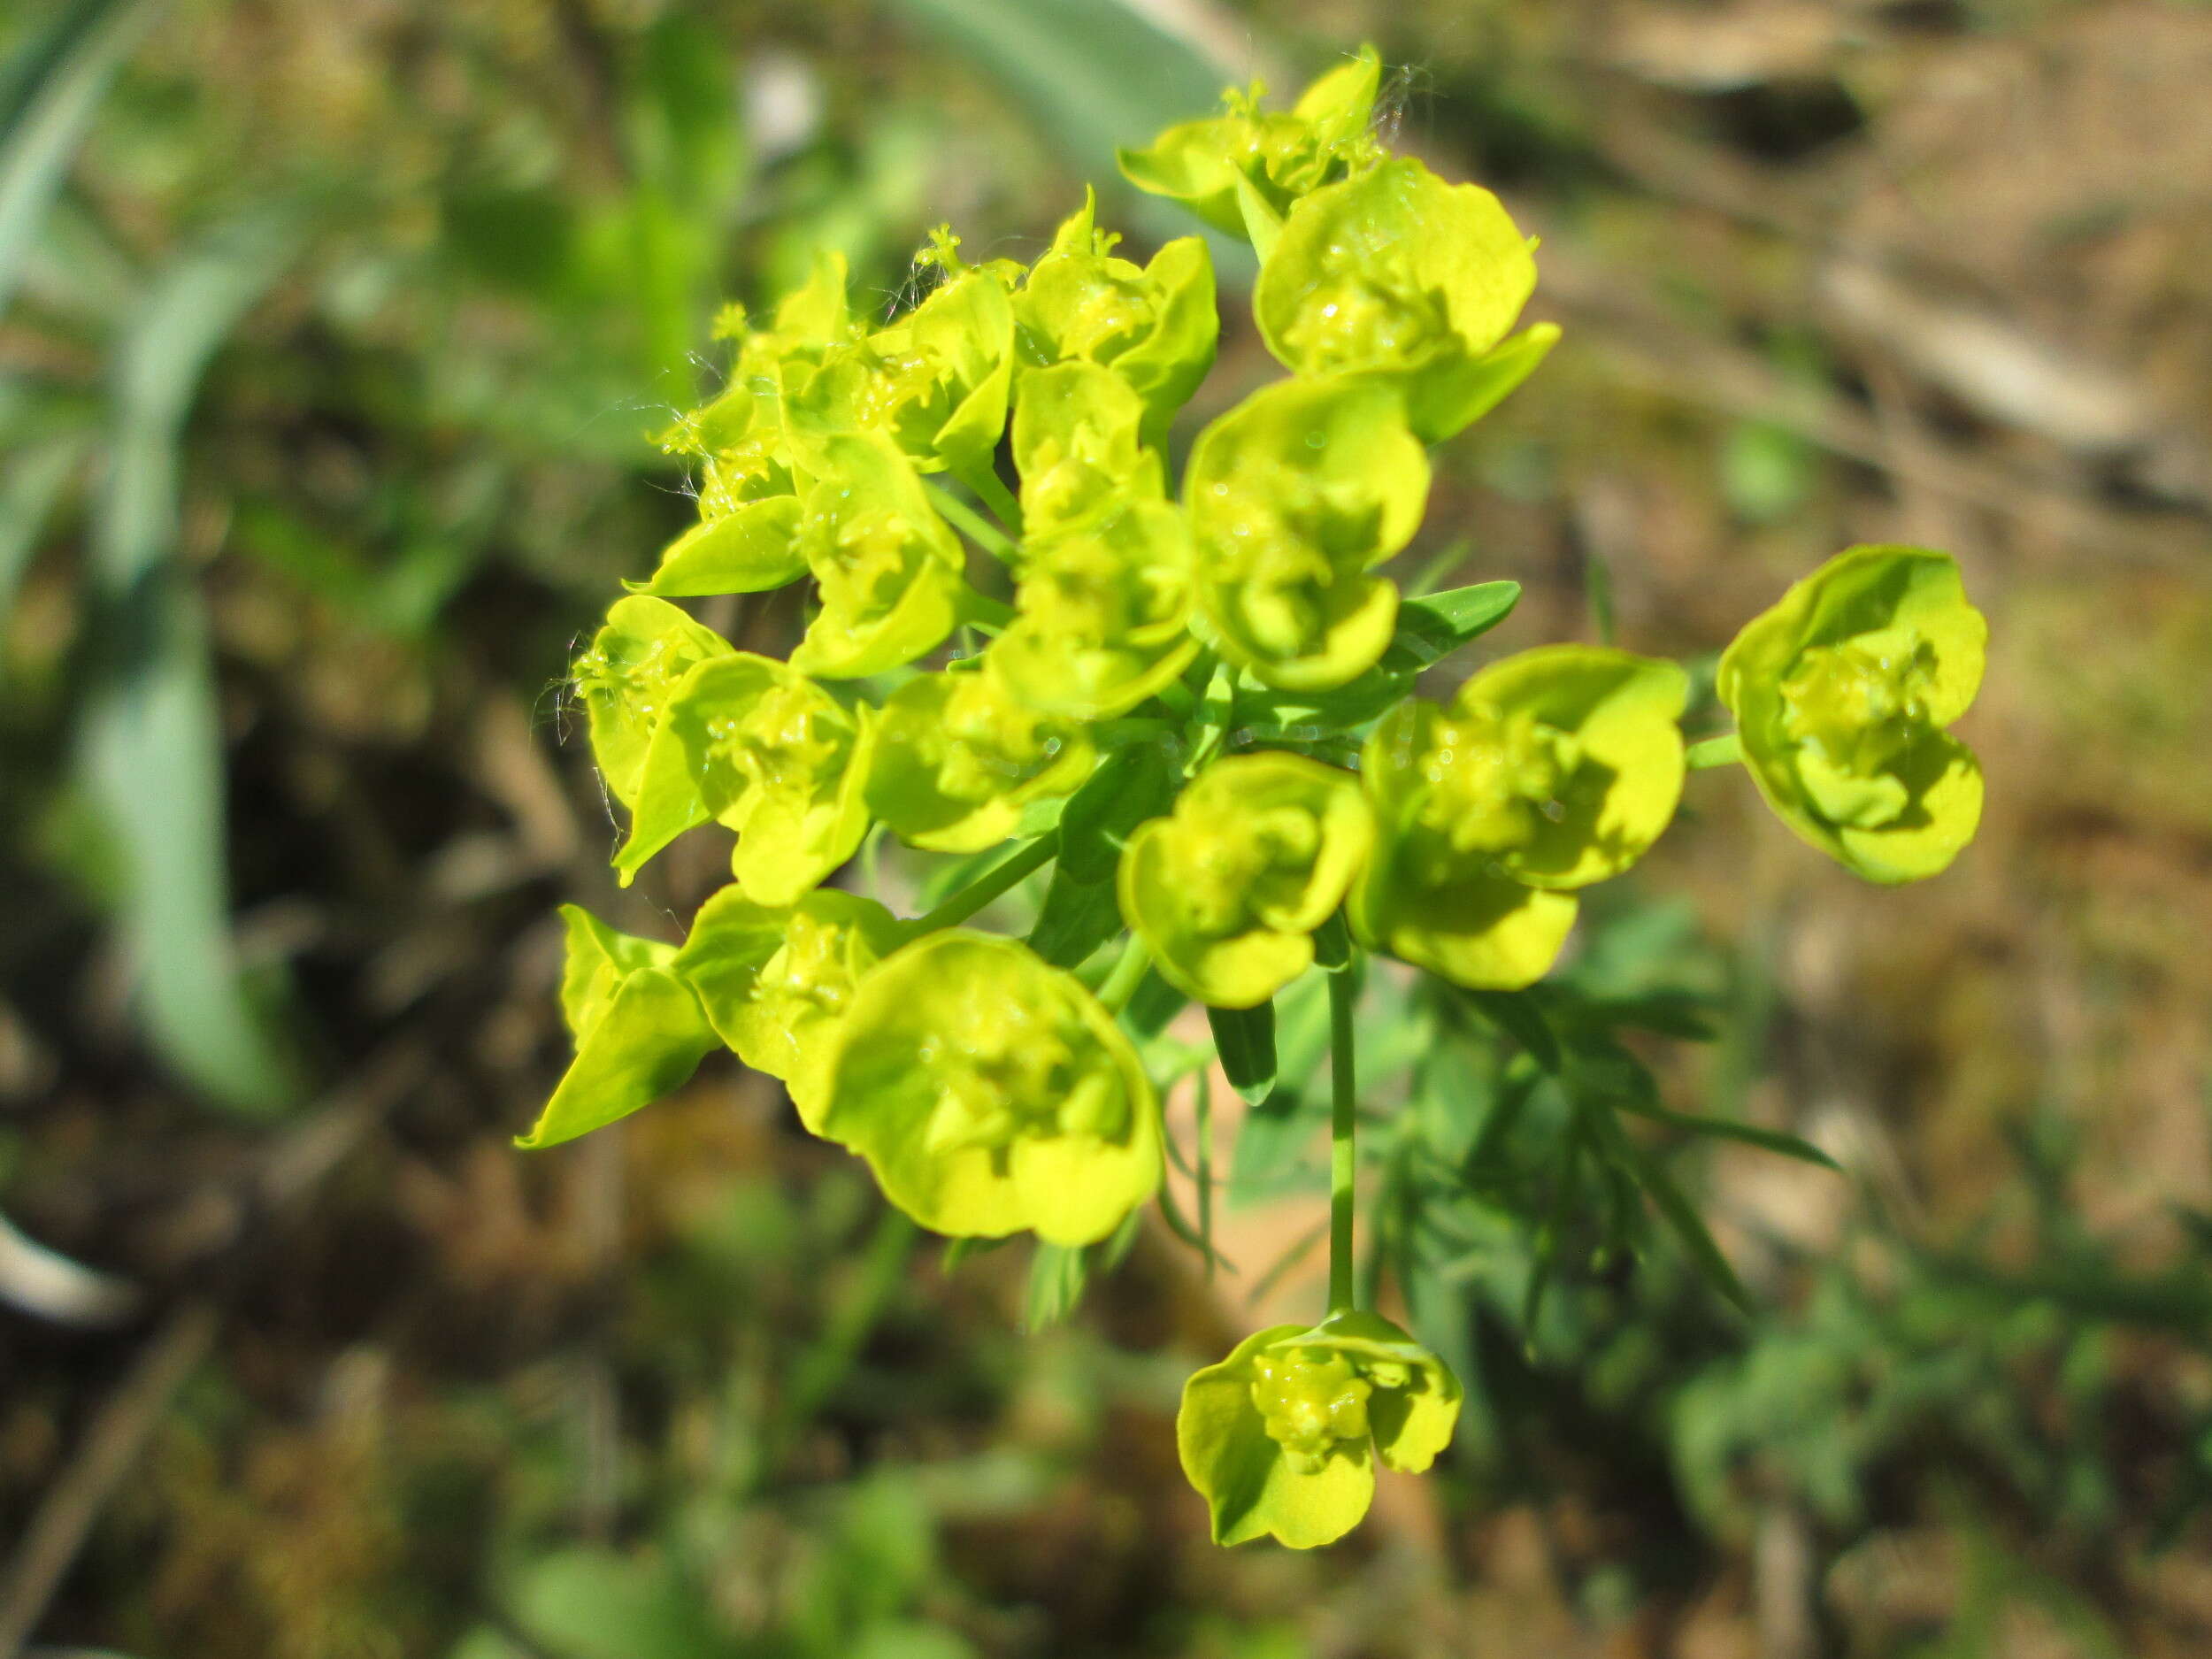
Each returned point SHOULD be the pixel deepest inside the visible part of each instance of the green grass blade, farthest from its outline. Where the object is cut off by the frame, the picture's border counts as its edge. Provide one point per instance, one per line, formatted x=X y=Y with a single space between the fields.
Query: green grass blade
x=32 y=484
x=52 y=90
x=1673 y=1206
x=1093 y=75
x=1774 y=1141
x=150 y=745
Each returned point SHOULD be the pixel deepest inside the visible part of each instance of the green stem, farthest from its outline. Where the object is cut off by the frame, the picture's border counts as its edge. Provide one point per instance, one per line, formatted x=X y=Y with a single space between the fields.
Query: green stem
x=993 y=493
x=1128 y=973
x=980 y=610
x=1714 y=751
x=999 y=879
x=973 y=523
x=1205 y=1175
x=1343 y=1150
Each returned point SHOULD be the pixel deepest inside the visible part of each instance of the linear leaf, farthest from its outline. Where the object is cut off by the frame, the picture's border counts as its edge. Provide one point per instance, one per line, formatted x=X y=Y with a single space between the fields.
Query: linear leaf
x=1675 y=1208
x=1432 y=628
x=1520 y=1017
x=151 y=747
x=1728 y=1129
x=52 y=89
x=1245 y=1040
x=1093 y=75
x=33 y=484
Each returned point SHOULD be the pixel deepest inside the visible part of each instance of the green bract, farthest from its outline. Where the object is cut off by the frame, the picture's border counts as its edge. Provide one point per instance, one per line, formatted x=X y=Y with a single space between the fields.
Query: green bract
x=775 y=980
x=1226 y=893
x=1549 y=771
x=956 y=759
x=888 y=567
x=1076 y=447
x=935 y=382
x=757 y=745
x=1397 y=276
x=1100 y=616
x=1156 y=327
x=638 y=1026
x=1282 y=1436
x=625 y=677
x=747 y=551
x=1841 y=694
x=991 y=1094
x=1240 y=170
x=1293 y=497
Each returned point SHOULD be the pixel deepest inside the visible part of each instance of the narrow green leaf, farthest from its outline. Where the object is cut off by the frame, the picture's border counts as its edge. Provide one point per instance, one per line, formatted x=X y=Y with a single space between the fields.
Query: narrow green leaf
x=1675 y=1208
x=1152 y=1005
x=1058 y=1275
x=1724 y=751
x=1245 y=1040
x=1669 y=1013
x=1298 y=1249
x=33 y=486
x=1076 y=918
x=1432 y=628
x=1520 y=1017
x=151 y=746
x=1130 y=785
x=1198 y=1238
x=1276 y=715
x=1093 y=74
x=52 y=89
x=1726 y=1129
x=1202 y=1111
x=958 y=1250
x=1278 y=1131
x=1333 y=945
x=1566 y=1199
x=1452 y=1097
x=1262 y=223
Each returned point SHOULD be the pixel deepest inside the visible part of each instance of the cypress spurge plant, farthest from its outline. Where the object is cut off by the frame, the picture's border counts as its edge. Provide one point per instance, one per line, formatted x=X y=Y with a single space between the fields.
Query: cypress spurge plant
x=1196 y=703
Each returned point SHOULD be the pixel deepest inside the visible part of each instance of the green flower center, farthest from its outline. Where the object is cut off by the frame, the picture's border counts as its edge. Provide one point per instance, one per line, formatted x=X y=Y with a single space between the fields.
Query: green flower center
x=1104 y=317
x=809 y=971
x=637 y=674
x=991 y=745
x=1360 y=317
x=788 y=740
x=907 y=393
x=1312 y=1401
x=865 y=562
x=1861 y=703
x=747 y=470
x=1494 y=780
x=1084 y=594
x=1064 y=478
x=1028 y=1072
x=1235 y=868
x=1291 y=541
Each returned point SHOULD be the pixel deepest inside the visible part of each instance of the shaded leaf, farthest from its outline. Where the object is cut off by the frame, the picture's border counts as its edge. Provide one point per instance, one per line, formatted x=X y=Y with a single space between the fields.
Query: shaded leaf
x=151 y=746
x=53 y=88
x=1245 y=1040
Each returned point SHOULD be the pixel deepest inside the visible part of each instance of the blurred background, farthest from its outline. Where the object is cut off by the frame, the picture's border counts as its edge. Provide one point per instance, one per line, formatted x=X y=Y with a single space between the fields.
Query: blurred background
x=332 y=337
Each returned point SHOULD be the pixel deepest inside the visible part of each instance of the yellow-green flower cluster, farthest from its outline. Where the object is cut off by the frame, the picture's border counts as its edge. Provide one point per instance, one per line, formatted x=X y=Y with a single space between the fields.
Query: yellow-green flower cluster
x=1024 y=639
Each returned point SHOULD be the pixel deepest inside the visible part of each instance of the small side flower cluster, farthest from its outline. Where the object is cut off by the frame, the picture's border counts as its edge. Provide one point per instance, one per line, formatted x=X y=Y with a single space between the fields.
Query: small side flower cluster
x=1201 y=700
